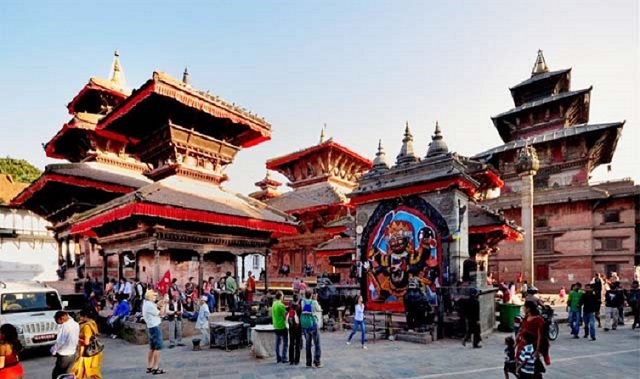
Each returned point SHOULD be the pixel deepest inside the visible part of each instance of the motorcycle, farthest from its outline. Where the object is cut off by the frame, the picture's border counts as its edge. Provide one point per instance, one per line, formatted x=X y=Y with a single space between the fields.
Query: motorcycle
x=550 y=323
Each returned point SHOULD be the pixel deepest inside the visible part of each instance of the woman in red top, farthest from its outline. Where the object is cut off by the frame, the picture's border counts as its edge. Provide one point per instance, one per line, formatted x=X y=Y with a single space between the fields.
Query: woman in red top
x=533 y=324
x=10 y=367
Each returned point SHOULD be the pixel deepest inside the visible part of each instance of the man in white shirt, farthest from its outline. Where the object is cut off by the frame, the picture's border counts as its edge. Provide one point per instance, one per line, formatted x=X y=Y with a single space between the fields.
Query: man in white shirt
x=152 y=313
x=66 y=343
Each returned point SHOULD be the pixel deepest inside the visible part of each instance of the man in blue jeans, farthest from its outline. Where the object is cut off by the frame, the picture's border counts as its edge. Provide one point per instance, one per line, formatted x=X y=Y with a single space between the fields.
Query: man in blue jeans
x=573 y=307
x=309 y=324
x=279 y=319
x=590 y=303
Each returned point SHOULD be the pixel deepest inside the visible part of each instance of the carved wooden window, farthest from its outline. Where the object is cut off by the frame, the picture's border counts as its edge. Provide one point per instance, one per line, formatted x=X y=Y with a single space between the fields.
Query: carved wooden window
x=611 y=216
x=541 y=222
x=609 y=269
x=542 y=271
x=612 y=244
x=543 y=245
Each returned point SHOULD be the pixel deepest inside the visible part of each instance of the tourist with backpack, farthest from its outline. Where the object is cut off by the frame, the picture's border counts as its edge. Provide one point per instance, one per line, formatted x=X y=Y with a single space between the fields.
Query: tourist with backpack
x=295 y=331
x=279 y=319
x=309 y=324
x=358 y=322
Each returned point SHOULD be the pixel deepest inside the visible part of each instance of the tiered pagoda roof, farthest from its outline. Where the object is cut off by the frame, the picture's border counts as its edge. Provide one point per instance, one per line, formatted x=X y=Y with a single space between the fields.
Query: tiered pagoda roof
x=440 y=169
x=321 y=176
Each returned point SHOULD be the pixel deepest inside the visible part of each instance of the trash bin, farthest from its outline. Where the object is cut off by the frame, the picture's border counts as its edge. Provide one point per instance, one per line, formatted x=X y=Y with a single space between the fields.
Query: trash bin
x=507 y=313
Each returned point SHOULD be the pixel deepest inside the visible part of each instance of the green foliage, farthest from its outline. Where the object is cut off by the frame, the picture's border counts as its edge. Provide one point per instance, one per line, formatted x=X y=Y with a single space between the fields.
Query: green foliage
x=19 y=169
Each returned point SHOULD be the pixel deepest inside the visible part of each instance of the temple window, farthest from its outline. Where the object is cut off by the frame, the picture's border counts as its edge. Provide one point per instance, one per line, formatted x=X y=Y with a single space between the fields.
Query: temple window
x=610 y=268
x=611 y=216
x=612 y=243
x=542 y=271
x=541 y=222
x=543 y=245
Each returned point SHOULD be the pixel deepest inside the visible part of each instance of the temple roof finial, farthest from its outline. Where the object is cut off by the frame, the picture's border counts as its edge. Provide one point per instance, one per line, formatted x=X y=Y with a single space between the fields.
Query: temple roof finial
x=380 y=162
x=406 y=154
x=185 y=77
x=116 y=75
x=322 y=134
x=540 y=67
x=437 y=145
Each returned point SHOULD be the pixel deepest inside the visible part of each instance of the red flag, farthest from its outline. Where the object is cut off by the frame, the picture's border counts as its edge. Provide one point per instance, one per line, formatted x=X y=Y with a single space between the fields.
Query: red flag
x=165 y=283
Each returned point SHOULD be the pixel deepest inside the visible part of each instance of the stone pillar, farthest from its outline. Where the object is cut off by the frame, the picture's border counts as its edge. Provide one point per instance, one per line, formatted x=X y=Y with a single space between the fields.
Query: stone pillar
x=120 y=265
x=200 y=270
x=458 y=222
x=526 y=192
x=156 y=265
x=244 y=257
x=105 y=273
x=60 y=254
x=266 y=270
x=68 y=252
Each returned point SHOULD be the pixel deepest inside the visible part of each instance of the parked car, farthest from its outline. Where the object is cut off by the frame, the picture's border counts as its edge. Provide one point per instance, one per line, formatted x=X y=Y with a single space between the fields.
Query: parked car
x=30 y=307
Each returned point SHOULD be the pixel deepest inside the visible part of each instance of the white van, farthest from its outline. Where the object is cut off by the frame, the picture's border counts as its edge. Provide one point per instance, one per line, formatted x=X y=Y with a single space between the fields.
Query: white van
x=30 y=307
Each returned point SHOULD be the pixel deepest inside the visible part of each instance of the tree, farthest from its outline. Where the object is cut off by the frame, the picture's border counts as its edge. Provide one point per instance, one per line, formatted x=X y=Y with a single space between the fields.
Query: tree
x=19 y=169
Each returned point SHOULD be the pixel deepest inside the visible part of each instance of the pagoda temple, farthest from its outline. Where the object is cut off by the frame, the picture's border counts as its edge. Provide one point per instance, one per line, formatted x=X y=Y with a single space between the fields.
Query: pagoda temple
x=320 y=177
x=580 y=228
x=144 y=182
x=418 y=219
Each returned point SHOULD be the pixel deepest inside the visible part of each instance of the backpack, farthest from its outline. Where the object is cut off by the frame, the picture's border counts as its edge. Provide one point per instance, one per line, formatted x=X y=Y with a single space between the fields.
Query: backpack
x=292 y=318
x=307 y=319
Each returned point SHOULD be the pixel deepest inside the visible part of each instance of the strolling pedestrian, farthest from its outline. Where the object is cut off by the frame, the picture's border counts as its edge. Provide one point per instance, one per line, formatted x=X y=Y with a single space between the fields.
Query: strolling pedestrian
x=152 y=313
x=590 y=303
x=509 y=357
x=613 y=299
x=573 y=307
x=10 y=347
x=527 y=358
x=472 y=315
x=295 y=331
x=87 y=366
x=66 y=344
x=202 y=324
x=278 y=317
x=634 y=302
x=309 y=322
x=358 y=322
x=533 y=324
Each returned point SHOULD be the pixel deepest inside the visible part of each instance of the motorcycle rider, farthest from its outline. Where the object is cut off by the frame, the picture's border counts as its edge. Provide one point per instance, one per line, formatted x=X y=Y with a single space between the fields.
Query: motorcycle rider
x=531 y=296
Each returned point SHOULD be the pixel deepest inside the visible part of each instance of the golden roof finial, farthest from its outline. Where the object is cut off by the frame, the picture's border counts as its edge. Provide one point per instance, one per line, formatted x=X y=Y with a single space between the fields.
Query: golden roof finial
x=185 y=77
x=116 y=75
x=322 y=133
x=540 y=67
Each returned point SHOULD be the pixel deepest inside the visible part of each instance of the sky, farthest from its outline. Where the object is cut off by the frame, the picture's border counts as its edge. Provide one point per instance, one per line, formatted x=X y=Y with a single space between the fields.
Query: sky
x=362 y=67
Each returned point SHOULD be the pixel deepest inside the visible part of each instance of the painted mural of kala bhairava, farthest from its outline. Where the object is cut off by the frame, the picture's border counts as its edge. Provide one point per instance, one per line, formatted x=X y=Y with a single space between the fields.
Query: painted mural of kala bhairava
x=403 y=245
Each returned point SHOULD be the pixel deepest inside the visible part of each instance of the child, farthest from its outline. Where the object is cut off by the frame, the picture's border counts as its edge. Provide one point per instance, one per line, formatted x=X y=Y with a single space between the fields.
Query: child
x=563 y=294
x=202 y=324
x=509 y=357
x=527 y=360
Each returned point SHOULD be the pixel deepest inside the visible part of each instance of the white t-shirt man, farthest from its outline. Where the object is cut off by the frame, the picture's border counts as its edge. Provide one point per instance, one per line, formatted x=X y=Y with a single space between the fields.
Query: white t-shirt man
x=151 y=314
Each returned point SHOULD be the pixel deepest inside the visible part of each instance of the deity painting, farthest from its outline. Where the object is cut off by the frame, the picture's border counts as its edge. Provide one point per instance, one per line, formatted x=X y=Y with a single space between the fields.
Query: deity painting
x=404 y=244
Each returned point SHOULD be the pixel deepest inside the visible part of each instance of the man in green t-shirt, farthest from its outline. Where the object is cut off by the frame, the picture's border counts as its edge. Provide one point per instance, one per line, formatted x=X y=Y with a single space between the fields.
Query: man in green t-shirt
x=230 y=289
x=279 y=318
x=573 y=307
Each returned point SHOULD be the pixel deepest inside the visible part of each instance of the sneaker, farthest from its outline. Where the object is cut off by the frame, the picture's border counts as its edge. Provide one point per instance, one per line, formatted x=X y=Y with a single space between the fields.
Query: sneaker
x=181 y=344
x=364 y=347
x=113 y=336
x=172 y=346
x=319 y=365
x=576 y=336
x=606 y=329
x=585 y=336
x=593 y=338
x=348 y=342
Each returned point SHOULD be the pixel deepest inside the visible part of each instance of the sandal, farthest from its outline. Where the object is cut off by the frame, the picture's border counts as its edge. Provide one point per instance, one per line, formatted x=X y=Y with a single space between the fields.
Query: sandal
x=158 y=371
x=149 y=370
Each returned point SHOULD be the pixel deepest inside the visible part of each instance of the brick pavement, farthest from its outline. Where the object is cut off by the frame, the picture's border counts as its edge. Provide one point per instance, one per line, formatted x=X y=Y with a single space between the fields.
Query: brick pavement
x=614 y=355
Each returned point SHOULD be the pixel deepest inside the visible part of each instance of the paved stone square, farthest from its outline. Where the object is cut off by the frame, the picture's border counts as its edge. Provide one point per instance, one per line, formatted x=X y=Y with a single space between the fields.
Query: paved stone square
x=613 y=355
